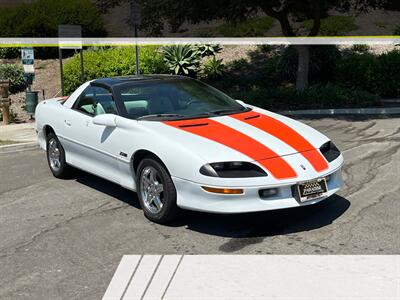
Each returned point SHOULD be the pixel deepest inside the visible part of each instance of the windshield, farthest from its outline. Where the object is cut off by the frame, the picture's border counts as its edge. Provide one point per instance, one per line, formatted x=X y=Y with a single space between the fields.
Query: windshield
x=175 y=99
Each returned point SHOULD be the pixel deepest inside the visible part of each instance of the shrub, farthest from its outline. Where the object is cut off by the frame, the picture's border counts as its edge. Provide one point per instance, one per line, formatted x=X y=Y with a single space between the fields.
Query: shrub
x=10 y=52
x=42 y=17
x=397 y=30
x=214 y=68
x=208 y=49
x=333 y=25
x=113 y=62
x=314 y=97
x=360 y=48
x=182 y=59
x=256 y=26
x=377 y=74
x=252 y=27
x=15 y=73
x=386 y=82
x=322 y=64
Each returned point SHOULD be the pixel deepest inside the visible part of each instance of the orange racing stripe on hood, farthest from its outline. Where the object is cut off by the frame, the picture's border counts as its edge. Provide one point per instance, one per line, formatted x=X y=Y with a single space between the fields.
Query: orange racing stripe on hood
x=286 y=134
x=238 y=141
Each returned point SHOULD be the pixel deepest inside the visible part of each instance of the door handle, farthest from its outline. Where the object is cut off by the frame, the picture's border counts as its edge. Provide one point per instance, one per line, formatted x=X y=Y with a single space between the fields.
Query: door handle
x=68 y=123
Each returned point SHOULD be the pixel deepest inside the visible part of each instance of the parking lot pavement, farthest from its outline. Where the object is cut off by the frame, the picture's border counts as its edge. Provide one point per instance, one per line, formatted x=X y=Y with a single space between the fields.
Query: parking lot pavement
x=65 y=238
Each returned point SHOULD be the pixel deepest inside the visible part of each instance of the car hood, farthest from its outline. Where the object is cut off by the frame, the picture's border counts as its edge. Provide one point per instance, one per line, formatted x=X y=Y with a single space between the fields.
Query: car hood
x=251 y=136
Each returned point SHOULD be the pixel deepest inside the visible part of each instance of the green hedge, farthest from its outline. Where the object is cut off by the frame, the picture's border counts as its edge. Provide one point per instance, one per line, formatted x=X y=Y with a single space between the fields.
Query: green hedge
x=271 y=67
x=113 y=62
x=377 y=74
x=354 y=69
x=15 y=73
x=334 y=25
x=316 y=97
x=41 y=19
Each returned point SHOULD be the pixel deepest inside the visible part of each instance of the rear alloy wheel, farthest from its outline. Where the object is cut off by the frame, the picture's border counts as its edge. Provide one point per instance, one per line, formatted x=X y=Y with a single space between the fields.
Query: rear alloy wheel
x=56 y=157
x=156 y=191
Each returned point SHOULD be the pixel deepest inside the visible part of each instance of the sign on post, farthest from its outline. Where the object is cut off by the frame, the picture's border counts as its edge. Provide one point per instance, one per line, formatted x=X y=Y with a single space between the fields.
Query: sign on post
x=28 y=61
x=136 y=19
x=70 y=37
x=136 y=13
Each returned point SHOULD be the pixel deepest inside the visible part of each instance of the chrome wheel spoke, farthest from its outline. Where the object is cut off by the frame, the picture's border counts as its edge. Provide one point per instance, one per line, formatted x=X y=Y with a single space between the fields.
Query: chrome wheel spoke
x=157 y=202
x=159 y=188
x=152 y=176
x=146 y=182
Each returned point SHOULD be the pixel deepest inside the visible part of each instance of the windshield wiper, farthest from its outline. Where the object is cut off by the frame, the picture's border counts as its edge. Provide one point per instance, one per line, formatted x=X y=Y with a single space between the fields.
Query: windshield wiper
x=160 y=116
x=223 y=111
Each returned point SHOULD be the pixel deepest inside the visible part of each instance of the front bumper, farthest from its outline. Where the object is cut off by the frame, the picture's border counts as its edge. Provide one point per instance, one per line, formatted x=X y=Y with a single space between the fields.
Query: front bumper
x=190 y=195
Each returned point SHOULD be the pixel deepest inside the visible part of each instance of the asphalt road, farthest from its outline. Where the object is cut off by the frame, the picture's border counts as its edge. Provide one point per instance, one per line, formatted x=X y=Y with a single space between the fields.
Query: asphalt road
x=63 y=239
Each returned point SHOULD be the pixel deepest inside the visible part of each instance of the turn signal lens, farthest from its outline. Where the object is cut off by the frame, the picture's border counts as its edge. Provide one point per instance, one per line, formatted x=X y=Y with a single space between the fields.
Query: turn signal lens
x=223 y=191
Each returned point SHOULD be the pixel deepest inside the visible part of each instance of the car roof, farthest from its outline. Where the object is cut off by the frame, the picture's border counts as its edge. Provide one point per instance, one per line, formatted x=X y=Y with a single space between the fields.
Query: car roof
x=113 y=81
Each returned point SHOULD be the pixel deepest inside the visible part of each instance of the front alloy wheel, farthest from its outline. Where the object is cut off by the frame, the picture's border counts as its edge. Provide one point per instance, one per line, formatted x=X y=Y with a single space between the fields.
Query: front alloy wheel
x=156 y=191
x=152 y=189
x=56 y=157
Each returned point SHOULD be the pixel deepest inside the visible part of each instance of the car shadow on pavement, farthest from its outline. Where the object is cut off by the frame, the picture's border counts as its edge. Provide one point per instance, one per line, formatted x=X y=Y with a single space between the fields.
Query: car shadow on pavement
x=107 y=187
x=268 y=223
x=250 y=226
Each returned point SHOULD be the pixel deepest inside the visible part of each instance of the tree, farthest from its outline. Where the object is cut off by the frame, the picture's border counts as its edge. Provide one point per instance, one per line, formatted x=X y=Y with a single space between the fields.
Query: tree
x=158 y=12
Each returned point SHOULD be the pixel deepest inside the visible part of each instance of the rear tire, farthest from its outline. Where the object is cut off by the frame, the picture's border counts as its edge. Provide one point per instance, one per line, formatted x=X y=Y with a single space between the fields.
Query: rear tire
x=56 y=157
x=156 y=192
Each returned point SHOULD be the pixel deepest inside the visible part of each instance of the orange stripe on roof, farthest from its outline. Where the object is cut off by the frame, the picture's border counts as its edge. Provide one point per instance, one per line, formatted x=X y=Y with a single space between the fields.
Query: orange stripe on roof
x=286 y=134
x=238 y=141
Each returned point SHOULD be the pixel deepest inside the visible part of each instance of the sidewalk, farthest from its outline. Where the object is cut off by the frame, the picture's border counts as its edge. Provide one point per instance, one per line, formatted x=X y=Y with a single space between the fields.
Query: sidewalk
x=23 y=135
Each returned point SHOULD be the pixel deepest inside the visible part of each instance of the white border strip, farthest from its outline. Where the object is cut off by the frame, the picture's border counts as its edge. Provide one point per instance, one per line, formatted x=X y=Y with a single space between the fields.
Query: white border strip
x=350 y=40
x=122 y=277
x=322 y=277
x=344 y=111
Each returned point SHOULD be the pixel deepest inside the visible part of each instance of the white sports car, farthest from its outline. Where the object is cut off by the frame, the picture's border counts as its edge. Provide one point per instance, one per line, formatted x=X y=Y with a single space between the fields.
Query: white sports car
x=178 y=142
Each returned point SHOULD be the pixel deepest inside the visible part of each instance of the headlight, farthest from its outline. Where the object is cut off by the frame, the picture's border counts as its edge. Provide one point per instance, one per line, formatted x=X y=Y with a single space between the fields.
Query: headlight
x=234 y=169
x=329 y=151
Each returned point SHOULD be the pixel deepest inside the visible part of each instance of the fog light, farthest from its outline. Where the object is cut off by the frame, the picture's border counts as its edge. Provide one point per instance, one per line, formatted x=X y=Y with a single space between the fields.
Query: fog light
x=267 y=193
x=222 y=190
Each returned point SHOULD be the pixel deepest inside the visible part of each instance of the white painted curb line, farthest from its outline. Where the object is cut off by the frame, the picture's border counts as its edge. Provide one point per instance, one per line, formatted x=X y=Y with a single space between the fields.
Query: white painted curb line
x=344 y=111
x=18 y=147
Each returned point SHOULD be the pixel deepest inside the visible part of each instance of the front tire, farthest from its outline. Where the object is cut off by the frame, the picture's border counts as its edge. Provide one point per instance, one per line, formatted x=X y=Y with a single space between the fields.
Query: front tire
x=56 y=157
x=156 y=191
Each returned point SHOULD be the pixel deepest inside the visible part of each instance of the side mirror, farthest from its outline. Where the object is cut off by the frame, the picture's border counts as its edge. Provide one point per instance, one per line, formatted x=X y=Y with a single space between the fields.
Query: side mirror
x=107 y=120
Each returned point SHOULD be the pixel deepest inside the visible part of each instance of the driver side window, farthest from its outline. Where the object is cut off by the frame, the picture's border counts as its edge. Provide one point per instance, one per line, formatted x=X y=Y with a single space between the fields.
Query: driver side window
x=96 y=101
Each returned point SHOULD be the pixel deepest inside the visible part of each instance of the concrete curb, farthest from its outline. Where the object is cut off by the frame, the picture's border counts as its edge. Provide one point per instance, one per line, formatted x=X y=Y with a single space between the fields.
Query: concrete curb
x=18 y=147
x=343 y=111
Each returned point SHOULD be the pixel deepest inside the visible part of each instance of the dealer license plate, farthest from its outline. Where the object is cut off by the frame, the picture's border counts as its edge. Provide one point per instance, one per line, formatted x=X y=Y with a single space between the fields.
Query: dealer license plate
x=312 y=189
